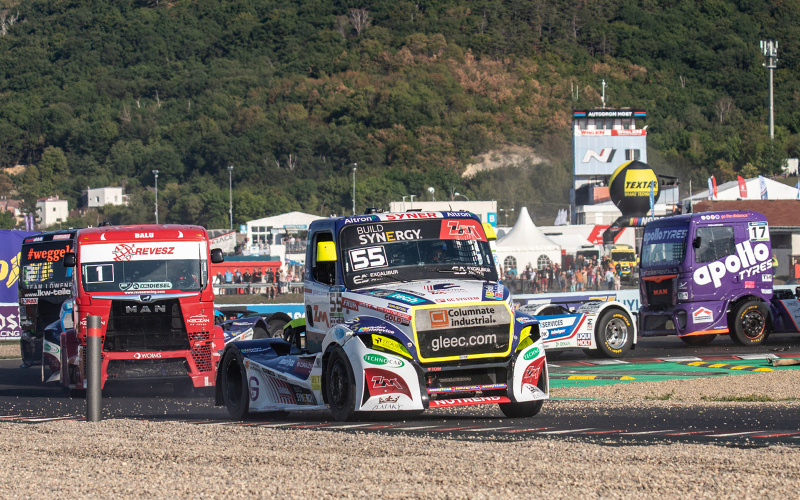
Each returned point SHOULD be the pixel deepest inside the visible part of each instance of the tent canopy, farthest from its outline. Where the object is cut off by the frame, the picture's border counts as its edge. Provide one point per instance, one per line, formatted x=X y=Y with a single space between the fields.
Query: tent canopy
x=525 y=244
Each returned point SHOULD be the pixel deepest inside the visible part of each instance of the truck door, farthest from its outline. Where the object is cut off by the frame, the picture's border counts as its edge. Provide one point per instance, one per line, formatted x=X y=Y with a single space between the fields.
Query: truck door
x=322 y=297
x=710 y=245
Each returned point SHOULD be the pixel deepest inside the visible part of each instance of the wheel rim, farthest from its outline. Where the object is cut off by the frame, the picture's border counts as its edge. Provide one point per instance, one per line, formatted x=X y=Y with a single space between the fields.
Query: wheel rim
x=338 y=384
x=753 y=324
x=616 y=333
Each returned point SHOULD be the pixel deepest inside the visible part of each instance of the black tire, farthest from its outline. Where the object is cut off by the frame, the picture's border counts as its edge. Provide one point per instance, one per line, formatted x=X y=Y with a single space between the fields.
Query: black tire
x=235 y=390
x=750 y=323
x=260 y=333
x=521 y=410
x=698 y=340
x=614 y=333
x=275 y=327
x=340 y=385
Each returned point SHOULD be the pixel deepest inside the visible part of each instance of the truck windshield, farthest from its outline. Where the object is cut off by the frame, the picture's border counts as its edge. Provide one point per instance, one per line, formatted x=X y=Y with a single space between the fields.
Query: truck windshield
x=389 y=251
x=43 y=266
x=144 y=275
x=664 y=246
x=623 y=256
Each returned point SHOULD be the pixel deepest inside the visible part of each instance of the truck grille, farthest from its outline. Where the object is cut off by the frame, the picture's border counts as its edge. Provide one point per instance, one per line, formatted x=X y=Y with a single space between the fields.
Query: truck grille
x=149 y=368
x=150 y=326
x=660 y=293
x=456 y=332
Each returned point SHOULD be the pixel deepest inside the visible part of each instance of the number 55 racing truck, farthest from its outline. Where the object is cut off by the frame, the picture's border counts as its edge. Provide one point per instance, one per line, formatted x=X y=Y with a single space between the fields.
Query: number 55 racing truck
x=403 y=312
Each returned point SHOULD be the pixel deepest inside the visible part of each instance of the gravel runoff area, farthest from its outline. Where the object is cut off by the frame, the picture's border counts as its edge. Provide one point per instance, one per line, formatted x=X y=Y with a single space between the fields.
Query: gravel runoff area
x=135 y=459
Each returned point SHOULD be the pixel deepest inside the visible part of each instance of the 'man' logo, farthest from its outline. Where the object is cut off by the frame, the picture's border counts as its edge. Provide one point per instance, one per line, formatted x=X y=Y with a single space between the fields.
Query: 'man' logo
x=606 y=155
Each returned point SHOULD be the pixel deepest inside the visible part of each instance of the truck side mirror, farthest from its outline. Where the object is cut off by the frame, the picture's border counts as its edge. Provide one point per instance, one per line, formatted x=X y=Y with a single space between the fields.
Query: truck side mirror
x=216 y=256
x=489 y=230
x=69 y=259
x=696 y=242
x=326 y=251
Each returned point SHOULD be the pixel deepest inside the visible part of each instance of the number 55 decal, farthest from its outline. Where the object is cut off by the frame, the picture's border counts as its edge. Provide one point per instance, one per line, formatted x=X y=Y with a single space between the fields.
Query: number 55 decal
x=367 y=258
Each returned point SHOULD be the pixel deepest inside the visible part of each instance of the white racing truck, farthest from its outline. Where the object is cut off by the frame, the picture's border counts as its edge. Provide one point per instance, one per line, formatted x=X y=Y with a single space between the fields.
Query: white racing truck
x=403 y=312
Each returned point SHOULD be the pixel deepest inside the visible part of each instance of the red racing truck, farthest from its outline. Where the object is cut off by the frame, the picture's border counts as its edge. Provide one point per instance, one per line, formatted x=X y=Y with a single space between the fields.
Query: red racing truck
x=150 y=285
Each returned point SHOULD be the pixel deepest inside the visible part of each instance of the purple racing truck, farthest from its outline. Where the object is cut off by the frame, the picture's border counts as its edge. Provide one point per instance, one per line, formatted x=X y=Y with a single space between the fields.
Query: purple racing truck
x=708 y=274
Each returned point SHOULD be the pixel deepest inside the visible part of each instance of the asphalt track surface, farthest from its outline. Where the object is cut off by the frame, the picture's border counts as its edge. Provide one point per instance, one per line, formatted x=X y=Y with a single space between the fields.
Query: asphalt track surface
x=24 y=399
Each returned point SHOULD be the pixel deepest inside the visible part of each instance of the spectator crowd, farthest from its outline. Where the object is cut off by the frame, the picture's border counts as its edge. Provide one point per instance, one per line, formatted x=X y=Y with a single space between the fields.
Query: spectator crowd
x=582 y=274
x=286 y=279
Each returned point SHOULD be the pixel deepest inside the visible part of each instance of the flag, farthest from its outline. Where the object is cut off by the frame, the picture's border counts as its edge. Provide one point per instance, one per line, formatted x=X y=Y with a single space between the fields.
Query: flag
x=763 y=183
x=652 y=200
x=714 y=181
x=797 y=186
x=710 y=190
x=742 y=188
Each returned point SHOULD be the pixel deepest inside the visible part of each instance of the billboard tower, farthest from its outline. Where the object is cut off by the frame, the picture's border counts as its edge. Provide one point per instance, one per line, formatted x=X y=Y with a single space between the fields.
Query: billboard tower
x=602 y=140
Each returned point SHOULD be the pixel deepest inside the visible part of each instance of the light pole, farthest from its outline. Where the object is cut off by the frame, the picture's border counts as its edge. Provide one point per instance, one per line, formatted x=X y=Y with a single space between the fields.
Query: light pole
x=354 y=187
x=459 y=194
x=506 y=210
x=769 y=48
x=155 y=172
x=230 y=193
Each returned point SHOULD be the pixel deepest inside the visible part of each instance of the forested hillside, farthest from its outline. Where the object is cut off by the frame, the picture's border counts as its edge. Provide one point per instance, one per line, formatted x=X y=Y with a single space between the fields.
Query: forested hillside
x=292 y=93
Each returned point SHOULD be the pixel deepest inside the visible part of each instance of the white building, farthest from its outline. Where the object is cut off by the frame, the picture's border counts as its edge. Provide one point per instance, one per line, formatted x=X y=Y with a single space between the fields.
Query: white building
x=99 y=197
x=51 y=211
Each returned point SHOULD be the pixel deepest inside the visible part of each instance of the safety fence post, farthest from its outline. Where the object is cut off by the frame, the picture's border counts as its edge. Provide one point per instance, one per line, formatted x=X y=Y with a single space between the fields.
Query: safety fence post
x=94 y=365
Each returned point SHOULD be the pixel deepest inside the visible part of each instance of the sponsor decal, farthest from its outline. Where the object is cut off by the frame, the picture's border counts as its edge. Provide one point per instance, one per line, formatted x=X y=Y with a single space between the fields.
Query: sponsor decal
x=664 y=234
x=376 y=233
x=381 y=382
x=349 y=304
x=532 y=353
x=532 y=372
x=254 y=389
x=377 y=359
x=442 y=403
x=144 y=235
x=683 y=295
x=389 y=344
x=51 y=255
x=397 y=308
x=584 y=336
x=126 y=252
x=29 y=301
x=493 y=292
x=766 y=277
x=466 y=229
x=316 y=382
x=198 y=319
x=360 y=218
x=748 y=261
x=147 y=355
x=702 y=315
x=145 y=286
x=606 y=155
x=413 y=215
x=408 y=299
x=749 y=284
x=584 y=343
x=442 y=318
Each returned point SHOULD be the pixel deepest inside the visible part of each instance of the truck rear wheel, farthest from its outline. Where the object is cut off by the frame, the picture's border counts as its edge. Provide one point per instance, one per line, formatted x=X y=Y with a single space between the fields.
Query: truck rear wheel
x=614 y=333
x=235 y=391
x=340 y=386
x=750 y=323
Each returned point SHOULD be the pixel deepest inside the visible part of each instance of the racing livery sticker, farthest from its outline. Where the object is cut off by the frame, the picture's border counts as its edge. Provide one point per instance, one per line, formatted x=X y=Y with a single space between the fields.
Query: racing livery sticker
x=380 y=382
x=702 y=315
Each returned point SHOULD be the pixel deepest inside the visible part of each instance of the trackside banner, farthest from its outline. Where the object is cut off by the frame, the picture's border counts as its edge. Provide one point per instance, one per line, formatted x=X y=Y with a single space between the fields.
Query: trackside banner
x=10 y=246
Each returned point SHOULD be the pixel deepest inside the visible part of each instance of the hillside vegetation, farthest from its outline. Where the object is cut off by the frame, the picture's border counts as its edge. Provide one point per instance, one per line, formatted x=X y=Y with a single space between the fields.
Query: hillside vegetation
x=293 y=93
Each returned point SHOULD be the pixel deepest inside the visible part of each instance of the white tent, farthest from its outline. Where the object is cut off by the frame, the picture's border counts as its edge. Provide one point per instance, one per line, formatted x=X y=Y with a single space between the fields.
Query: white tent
x=525 y=244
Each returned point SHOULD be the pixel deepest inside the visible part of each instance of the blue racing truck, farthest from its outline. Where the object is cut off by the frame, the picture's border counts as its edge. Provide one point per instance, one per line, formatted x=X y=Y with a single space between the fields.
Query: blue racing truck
x=709 y=274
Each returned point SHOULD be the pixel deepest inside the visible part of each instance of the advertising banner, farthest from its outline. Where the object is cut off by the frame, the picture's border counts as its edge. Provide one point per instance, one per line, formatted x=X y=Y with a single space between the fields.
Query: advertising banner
x=10 y=245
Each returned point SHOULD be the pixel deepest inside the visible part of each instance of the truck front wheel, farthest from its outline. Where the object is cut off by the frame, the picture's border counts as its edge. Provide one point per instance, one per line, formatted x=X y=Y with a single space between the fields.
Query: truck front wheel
x=614 y=333
x=340 y=386
x=750 y=323
x=235 y=391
